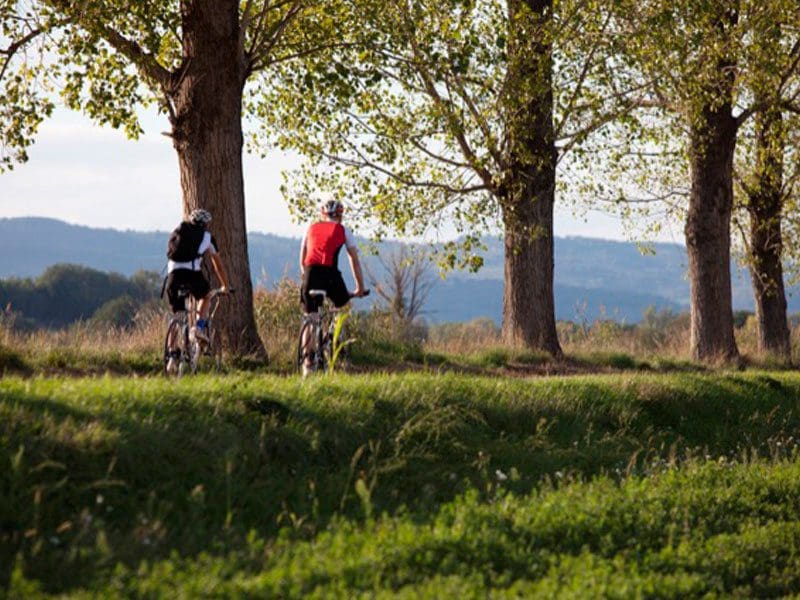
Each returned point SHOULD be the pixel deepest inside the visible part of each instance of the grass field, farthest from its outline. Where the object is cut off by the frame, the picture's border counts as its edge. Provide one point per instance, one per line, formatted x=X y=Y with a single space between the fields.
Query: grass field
x=663 y=484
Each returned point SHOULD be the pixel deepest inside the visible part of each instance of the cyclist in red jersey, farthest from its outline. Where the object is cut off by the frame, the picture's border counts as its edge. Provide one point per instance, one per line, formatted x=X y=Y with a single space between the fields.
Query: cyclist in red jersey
x=319 y=257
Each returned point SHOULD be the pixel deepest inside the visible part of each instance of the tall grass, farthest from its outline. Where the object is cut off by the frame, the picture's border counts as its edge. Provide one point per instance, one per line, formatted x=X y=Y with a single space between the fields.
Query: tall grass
x=660 y=341
x=661 y=338
x=85 y=347
x=278 y=318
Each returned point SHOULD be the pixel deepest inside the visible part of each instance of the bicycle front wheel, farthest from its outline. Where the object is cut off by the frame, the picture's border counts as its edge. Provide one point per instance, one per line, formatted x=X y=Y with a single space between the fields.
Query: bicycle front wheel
x=214 y=349
x=192 y=353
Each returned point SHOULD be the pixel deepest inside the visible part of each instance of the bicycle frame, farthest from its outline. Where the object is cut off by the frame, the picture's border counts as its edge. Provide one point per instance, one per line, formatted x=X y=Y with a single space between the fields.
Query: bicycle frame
x=180 y=327
x=323 y=324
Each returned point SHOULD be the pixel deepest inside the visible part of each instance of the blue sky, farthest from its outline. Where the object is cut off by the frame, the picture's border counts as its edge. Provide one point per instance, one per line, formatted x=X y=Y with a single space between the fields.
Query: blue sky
x=90 y=175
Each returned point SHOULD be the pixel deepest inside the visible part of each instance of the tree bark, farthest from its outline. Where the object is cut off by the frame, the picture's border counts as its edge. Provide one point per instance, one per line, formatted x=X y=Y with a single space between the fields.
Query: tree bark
x=765 y=205
x=528 y=299
x=712 y=145
x=207 y=134
x=527 y=195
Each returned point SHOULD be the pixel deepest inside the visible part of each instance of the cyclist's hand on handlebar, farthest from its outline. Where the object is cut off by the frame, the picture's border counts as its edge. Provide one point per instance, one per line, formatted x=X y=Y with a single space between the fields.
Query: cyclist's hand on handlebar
x=226 y=290
x=359 y=293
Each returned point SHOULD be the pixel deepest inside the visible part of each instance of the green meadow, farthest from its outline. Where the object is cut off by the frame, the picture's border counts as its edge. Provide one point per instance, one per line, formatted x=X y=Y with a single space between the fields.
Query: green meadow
x=415 y=485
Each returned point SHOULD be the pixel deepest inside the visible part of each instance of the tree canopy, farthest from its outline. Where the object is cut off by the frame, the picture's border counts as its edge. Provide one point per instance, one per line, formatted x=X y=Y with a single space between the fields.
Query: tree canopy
x=189 y=59
x=410 y=119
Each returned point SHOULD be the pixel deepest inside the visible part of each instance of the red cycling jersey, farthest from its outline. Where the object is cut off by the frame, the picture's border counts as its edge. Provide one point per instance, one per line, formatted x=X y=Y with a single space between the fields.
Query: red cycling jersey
x=323 y=242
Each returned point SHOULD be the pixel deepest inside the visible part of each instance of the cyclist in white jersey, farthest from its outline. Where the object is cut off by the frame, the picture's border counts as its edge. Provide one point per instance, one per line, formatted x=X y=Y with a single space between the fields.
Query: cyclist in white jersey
x=188 y=245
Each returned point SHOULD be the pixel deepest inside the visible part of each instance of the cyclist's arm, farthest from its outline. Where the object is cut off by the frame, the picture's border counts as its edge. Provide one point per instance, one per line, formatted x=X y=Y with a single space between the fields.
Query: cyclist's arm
x=355 y=266
x=219 y=269
x=303 y=253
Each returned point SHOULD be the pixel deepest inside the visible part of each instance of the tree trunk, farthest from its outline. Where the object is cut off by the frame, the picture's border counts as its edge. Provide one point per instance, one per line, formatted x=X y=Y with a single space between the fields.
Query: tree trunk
x=765 y=204
x=712 y=145
x=207 y=133
x=528 y=299
x=527 y=195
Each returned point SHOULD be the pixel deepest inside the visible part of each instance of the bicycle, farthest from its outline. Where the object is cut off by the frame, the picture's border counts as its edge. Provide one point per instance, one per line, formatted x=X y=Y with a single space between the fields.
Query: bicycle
x=186 y=348
x=321 y=326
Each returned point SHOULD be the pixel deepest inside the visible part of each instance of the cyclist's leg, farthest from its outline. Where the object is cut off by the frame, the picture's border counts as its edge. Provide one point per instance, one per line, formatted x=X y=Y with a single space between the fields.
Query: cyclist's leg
x=308 y=341
x=337 y=289
x=203 y=306
x=177 y=293
x=200 y=291
x=311 y=305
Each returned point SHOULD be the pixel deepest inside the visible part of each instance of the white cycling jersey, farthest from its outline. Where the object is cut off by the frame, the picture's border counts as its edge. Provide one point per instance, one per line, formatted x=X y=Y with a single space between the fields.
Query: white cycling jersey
x=197 y=264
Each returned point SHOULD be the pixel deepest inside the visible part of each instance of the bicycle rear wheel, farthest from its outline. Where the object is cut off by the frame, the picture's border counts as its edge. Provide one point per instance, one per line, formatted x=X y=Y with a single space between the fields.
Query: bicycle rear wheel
x=174 y=335
x=306 y=329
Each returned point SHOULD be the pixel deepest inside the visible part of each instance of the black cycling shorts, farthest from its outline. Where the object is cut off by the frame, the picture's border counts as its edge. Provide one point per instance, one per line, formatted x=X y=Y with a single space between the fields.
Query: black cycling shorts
x=193 y=282
x=319 y=277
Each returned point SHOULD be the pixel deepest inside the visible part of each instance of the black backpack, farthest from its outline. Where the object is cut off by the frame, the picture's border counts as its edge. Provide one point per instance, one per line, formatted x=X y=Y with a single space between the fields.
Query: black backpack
x=185 y=241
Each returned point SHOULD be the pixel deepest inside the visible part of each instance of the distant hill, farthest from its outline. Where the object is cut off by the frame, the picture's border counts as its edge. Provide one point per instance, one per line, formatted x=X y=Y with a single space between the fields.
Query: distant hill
x=594 y=278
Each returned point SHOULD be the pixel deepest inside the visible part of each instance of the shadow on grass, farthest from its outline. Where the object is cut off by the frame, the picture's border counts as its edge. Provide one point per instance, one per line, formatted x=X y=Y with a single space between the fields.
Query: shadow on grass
x=93 y=483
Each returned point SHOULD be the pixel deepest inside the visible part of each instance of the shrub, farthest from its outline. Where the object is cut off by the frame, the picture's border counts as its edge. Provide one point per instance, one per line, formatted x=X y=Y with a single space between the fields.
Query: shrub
x=278 y=317
x=469 y=336
x=119 y=312
x=382 y=339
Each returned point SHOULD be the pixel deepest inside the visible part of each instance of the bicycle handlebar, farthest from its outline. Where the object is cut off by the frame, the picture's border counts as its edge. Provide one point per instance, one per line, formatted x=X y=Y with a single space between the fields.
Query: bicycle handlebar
x=363 y=294
x=219 y=292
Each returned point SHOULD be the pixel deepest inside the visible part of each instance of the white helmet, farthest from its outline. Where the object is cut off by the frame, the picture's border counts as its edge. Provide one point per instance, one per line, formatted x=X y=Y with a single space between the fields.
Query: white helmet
x=329 y=205
x=200 y=216
x=332 y=208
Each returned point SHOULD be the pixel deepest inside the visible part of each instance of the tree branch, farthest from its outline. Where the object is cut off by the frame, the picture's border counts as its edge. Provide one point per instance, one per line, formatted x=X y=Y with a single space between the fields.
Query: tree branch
x=742 y=183
x=580 y=83
x=274 y=60
x=265 y=40
x=794 y=56
x=145 y=62
x=364 y=163
x=244 y=23
x=16 y=45
x=456 y=128
x=414 y=140
x=259 y=30
x=577 y=136
x=481 y=122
